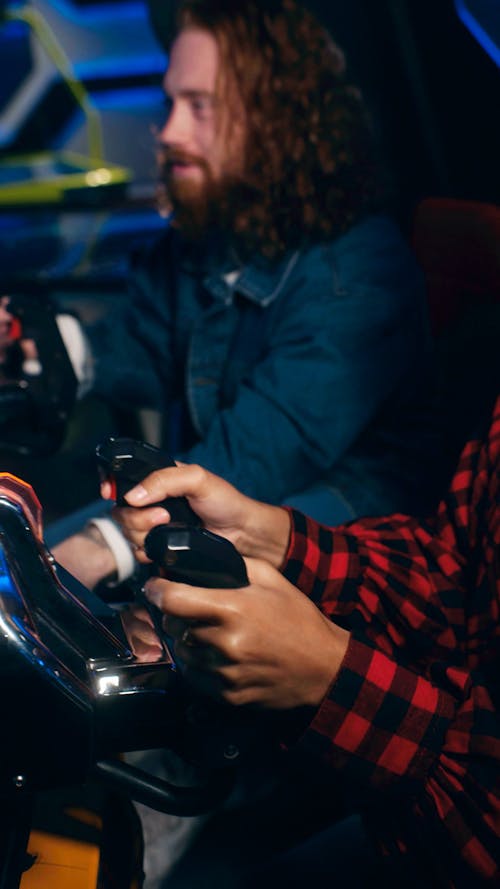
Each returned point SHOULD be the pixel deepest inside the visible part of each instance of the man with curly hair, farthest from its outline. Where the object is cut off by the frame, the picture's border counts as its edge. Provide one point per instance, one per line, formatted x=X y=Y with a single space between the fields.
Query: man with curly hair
x=281 y=318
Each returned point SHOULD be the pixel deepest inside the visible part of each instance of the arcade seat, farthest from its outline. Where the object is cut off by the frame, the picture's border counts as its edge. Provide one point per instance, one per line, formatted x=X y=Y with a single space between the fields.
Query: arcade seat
x=458 y=246
x=457 y=243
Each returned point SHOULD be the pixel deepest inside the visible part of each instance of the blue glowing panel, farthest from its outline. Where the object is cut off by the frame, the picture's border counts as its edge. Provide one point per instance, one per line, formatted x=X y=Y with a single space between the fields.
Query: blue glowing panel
x=16 y=59
x=110 y=49
x=129 y=117
x=482 y=18
x=105 y=39
x=7 y=588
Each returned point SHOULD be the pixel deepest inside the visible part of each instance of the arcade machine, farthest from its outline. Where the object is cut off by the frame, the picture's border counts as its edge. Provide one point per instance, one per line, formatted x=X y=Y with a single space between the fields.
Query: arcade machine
x=75 y=695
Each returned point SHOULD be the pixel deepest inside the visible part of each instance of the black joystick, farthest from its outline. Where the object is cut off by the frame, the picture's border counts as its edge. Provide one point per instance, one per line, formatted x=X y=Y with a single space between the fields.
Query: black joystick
x=125 y=462
x=184 y=550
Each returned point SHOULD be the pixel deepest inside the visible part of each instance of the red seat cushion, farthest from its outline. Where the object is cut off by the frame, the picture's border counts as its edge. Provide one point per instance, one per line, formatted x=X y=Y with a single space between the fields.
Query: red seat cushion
x=458 y=246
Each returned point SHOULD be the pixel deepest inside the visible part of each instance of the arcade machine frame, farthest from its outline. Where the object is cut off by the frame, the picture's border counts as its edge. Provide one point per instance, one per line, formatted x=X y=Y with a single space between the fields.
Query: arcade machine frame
x=75 y=697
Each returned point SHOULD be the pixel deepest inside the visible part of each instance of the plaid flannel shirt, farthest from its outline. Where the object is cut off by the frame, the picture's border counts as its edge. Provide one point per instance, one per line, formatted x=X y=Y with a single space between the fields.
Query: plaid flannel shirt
x=413 y=712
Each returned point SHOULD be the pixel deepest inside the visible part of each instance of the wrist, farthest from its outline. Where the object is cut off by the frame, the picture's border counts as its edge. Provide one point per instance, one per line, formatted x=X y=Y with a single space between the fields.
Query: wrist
x=266 y=533
x=120 y=557
x=86 y=556
x=103 y=560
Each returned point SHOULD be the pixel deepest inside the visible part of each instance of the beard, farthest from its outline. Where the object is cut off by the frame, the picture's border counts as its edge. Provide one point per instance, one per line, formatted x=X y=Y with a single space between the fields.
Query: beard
x=200 y=206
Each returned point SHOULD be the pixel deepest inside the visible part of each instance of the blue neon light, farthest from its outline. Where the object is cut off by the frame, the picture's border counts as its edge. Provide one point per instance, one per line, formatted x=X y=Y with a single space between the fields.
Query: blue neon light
x=150 y=63
x=6 y=585
x=102 y=12
x=13 y=30
x=105 y=39
x=486 y=31
x=131 y=97
x=109 y=100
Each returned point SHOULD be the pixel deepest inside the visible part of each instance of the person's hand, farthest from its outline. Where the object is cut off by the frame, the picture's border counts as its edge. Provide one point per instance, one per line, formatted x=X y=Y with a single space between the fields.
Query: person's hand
x=6 y=320
x=9 y=341
x=141 y=635
x=264 y=645
x=254 y=528
x=86 y=556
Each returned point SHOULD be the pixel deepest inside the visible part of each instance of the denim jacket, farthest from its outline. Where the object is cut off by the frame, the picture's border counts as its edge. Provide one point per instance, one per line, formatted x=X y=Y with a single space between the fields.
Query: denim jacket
x=313 y=368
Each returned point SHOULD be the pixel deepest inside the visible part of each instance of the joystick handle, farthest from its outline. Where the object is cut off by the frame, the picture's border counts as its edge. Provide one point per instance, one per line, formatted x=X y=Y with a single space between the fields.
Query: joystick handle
x=196 y=556
x=124 y=462
x=182 y=549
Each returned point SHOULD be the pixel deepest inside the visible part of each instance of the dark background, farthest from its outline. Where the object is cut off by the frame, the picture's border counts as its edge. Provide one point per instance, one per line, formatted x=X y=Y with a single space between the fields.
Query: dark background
x=434 y=89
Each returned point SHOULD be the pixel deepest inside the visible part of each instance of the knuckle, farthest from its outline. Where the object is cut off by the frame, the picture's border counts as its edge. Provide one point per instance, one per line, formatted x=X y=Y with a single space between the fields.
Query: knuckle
x=173 y=595
x=232 y=648
x=155 y=483
x=197 y=474
x=235 y=696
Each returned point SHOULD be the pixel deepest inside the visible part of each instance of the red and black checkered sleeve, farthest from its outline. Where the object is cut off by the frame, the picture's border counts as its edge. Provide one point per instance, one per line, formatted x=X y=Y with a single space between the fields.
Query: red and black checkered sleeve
x=411 y=711
x=403 y=584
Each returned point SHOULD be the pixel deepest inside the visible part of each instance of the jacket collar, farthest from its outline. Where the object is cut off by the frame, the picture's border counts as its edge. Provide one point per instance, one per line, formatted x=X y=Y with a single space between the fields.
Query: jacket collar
x=259 y=281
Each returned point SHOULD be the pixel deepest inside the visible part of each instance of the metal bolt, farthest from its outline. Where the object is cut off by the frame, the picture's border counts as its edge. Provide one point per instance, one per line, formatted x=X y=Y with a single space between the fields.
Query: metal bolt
x=231 y=752
x=19 y=781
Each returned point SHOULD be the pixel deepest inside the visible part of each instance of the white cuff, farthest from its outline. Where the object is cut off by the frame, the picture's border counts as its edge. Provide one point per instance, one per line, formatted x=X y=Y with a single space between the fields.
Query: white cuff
x=79 y=351
x=119 y=546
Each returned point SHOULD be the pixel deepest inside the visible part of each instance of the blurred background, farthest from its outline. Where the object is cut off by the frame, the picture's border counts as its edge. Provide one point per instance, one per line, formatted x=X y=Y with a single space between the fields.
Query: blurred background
x=80 y=97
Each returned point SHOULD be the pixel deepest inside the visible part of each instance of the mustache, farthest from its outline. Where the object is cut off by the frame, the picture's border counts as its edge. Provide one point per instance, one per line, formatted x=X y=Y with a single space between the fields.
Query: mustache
x=168 y=157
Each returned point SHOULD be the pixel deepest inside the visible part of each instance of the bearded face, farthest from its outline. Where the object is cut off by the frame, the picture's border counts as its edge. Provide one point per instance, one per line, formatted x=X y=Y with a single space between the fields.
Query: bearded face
x=201 y=145
x=197 y=202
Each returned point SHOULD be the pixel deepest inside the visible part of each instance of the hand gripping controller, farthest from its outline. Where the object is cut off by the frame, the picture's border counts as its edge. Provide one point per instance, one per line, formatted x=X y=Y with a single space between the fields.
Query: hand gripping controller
x=183 y=550
x=212 y=734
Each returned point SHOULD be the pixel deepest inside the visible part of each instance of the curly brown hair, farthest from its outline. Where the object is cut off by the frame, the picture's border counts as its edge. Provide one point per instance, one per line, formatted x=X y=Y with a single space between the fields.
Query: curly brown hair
x=310 y=170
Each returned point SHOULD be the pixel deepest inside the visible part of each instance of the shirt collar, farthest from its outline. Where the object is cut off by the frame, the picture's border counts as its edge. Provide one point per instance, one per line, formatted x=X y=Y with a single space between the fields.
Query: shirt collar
x=259 y=281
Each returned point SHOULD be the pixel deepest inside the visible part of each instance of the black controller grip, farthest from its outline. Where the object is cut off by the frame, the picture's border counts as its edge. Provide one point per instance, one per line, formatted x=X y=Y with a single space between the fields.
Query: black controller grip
x=186 y=551
x=196 y=556
x=124 y=462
